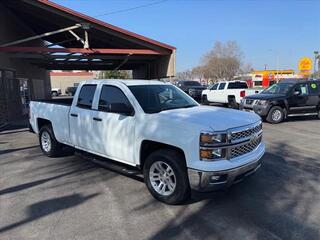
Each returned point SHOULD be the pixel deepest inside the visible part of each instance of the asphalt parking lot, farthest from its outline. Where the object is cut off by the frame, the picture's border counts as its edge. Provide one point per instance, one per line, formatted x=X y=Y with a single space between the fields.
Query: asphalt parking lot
x=72 y=198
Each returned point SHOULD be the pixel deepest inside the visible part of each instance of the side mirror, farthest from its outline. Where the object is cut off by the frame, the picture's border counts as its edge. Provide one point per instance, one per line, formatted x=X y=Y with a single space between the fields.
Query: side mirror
x=120 y=108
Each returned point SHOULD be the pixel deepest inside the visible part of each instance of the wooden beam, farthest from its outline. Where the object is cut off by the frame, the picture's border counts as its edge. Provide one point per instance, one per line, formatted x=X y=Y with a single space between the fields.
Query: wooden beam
x=82 y=50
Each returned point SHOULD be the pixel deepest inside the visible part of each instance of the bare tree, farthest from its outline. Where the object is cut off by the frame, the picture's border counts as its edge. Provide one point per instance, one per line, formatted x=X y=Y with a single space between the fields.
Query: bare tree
x=222 y=62
x=246 y=68
x=185 y=75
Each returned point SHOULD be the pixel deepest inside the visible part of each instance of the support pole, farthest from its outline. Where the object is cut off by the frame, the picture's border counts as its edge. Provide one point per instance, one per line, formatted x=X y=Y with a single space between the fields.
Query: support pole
x=123 y=62
x=86 y=40
x=41 y=36
x=77 y=37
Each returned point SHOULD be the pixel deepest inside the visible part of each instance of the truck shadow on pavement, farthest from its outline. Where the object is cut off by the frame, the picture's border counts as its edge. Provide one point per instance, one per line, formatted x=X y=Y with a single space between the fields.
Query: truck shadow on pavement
x=28 y=185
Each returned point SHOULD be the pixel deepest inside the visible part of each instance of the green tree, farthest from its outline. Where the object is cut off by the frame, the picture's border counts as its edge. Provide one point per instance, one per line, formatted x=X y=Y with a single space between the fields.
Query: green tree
x=115 y=74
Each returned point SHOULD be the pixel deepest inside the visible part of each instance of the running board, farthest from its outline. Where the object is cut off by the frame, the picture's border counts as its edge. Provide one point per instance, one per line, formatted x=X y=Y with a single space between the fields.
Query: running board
x=302 y=114
x=112 y=165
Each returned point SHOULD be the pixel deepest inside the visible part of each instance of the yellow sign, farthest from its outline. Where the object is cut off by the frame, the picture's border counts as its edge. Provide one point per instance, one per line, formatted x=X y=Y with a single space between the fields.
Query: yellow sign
x=305 y=64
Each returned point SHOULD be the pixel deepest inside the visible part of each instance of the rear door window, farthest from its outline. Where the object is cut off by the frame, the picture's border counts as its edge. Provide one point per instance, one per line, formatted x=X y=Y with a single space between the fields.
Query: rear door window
x=86 y=95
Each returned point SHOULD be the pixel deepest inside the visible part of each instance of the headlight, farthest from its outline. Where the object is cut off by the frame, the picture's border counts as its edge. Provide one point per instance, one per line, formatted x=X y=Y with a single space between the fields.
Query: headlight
x=213 y=138
x=210 y=143
x=262 y=102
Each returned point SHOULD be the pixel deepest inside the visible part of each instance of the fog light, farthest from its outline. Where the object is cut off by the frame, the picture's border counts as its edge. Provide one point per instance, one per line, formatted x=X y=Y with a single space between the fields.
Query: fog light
x=215 y=177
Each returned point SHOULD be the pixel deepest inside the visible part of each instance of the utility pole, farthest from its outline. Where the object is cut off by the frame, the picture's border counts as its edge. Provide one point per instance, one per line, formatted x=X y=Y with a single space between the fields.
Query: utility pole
x=316 y=56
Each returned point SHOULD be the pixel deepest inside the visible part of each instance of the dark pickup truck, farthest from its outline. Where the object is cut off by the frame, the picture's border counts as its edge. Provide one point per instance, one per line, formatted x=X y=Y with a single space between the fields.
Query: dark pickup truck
x=192 y=88
x=285 y=99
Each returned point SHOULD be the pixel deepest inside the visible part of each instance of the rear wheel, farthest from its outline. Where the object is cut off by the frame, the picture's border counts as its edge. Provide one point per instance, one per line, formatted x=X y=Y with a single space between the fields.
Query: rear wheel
x=204 y=100
x=276 y=115
x=165 y=175
x=48 y=143
x=232 y=103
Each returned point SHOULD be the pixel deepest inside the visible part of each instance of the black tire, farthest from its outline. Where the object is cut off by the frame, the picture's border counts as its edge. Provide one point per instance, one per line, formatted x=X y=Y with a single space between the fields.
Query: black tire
x=177 y=163
x=54 y=94
x=276 y=115
x=204 y=100
x=55 y=147
x=232 y=103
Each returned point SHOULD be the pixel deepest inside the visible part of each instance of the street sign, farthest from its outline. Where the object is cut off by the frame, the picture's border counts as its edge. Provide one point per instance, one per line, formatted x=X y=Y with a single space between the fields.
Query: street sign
x=305 y=64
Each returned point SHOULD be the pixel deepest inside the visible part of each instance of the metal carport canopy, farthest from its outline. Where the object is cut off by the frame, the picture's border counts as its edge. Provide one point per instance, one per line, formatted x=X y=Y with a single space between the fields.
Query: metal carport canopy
x=75 y=41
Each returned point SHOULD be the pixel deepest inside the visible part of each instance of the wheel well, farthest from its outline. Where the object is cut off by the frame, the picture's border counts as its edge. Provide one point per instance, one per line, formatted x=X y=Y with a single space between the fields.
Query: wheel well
x=42 y=122
x=148 y=147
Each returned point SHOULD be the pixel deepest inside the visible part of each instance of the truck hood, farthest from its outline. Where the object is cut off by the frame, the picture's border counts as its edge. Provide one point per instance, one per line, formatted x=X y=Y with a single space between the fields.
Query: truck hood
x=210 y=118
x=262 y=96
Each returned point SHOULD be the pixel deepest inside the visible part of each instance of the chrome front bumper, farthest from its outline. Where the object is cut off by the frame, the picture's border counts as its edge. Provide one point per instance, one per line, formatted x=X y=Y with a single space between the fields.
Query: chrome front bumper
x=208 y=181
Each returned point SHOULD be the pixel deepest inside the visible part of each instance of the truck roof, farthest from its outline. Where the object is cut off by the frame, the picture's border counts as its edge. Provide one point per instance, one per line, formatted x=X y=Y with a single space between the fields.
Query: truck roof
x=127 y=82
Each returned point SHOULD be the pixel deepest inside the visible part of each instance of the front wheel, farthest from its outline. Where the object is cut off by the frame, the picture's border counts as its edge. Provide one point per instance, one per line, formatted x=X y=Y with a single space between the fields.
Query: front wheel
x=48 y=143
x=165 y=175
x=276 y=115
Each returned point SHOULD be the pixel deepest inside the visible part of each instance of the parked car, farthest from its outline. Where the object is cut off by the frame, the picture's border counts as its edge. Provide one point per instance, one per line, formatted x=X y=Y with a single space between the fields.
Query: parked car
x=55 y=92
x=157 y=128
x=192 y=88
x=285 y=99
x=70 y=91
x=229 y=93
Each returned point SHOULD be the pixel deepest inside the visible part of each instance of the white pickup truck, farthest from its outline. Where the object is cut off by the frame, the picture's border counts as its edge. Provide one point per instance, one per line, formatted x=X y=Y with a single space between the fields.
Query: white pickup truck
x=230 y=93
x=156 y=127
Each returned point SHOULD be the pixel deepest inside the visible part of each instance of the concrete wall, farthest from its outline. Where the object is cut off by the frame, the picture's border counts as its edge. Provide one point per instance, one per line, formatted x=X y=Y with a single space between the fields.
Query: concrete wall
x=164 y=67
x=63 y=80
x=11 y=29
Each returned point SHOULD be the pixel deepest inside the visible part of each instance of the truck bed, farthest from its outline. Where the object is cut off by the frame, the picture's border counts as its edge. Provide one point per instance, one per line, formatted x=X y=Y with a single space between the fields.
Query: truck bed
x=56 y=111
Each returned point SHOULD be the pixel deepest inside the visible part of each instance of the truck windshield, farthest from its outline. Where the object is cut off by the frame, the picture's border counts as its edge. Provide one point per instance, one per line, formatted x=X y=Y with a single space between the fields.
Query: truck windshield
x=157 y=98
x=279 y=88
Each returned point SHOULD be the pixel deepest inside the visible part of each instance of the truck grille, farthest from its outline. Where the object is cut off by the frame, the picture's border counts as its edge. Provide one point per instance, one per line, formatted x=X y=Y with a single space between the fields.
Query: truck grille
x=246 y=148
x=237 y=136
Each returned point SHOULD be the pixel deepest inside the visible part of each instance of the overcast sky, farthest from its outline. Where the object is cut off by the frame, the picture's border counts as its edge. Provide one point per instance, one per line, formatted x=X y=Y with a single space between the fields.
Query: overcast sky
x=268 y=32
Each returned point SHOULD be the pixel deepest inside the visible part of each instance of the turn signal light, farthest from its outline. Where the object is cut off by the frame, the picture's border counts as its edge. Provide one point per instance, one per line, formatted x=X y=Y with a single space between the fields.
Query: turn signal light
x=206 y=154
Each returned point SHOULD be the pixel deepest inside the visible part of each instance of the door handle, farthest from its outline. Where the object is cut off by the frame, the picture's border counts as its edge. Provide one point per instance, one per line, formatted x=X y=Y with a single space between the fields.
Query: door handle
x=73 y=115
x=97 y=119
